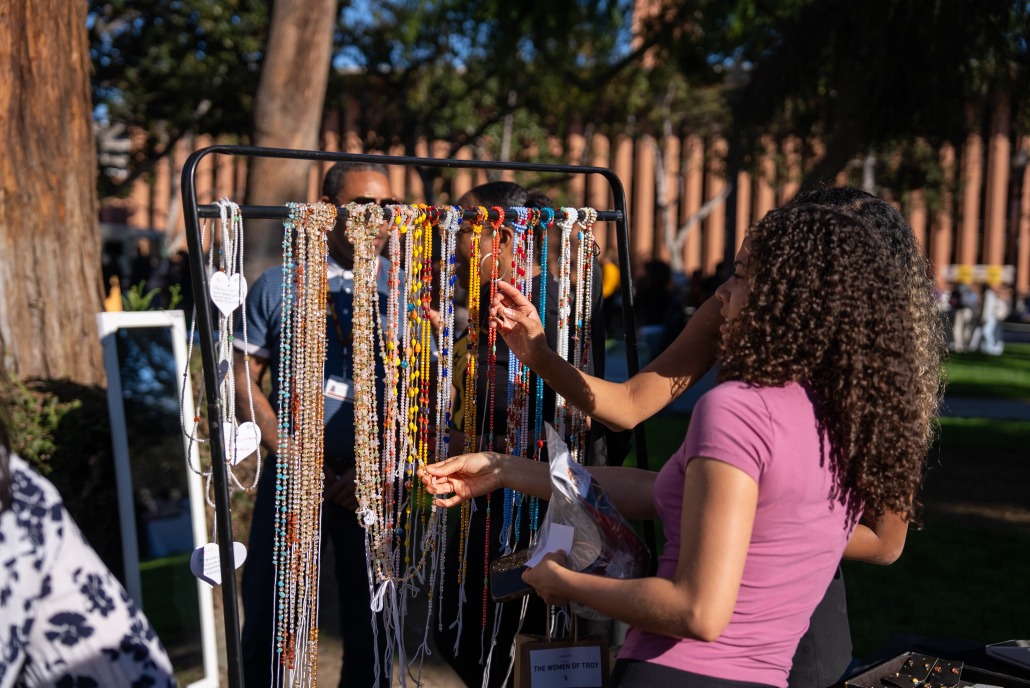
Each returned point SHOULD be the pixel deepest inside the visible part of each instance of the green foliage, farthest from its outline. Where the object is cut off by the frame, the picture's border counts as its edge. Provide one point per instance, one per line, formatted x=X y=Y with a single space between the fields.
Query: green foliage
x=885 y=76
x=509 y=78
x=174 y=296
x=62 y=430
x=137 y=300
x=34 y=421
x=170 y=68
x=872 y=75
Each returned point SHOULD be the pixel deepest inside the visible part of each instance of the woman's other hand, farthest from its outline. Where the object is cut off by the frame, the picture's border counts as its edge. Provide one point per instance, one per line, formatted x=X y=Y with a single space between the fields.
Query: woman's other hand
x=547 y=578
x=467 y=476
x=518 y=322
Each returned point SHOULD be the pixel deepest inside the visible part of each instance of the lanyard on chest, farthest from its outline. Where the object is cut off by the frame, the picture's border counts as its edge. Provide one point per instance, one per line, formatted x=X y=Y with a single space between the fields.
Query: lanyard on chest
x=344 y=337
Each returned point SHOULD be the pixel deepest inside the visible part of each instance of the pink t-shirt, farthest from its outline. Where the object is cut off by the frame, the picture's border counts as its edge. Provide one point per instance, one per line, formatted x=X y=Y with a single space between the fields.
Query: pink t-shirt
x=796 y=544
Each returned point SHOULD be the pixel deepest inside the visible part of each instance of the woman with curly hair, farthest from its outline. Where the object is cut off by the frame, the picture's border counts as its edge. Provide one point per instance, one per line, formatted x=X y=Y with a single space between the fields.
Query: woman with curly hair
x=810 y=428
x=825 y=650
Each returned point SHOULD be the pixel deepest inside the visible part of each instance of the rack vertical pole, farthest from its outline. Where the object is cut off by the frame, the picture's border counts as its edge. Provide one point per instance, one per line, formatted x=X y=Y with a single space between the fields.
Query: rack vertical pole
x=223 y=517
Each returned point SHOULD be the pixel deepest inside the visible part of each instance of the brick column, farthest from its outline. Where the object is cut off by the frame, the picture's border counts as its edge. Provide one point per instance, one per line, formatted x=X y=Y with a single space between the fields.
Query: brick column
x=972 y=181
x=715 y=224
x=694 y=157
x=944 y=226
x=1023 y=229
x=765 y=198
x=622 y=165
x=642 y=241
x=743 y=207
x=598 y=194
x=667 y=222
x=998 y=160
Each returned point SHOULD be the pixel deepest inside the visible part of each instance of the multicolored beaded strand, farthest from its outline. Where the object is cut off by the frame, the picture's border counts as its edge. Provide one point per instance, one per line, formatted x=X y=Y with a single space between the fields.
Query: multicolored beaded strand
x=569 y=217
x=582 y=318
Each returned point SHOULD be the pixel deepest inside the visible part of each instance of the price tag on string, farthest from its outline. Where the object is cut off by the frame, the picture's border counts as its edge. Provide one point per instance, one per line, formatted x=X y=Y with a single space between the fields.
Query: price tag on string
x=247 y=440
x=206 y=562
x=228 y=293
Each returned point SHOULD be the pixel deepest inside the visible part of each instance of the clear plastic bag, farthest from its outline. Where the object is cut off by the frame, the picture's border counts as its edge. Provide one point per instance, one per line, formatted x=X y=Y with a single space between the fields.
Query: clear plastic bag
x=604 y=543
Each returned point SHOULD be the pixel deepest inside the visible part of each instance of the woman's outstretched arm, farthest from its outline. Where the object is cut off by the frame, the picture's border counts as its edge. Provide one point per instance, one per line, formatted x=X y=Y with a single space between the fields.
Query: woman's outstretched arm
x=471 y=475
x=619 y=405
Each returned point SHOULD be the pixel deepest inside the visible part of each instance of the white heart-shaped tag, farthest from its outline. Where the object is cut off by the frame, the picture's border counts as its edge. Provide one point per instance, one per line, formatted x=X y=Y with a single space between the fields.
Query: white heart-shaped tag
x=228 y=293
x=206 y=562
x=248 y=437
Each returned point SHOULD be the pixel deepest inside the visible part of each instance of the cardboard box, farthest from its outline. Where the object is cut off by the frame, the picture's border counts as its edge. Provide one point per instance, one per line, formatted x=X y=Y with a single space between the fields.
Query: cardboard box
x=567 y=663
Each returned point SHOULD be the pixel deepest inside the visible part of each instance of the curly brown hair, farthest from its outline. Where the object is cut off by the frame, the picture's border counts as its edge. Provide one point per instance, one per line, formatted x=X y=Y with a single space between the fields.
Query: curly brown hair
x=928 y=334
x=818 y=314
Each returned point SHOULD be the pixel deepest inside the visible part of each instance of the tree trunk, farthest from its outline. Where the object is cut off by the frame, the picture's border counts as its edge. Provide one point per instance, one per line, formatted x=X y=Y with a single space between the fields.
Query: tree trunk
x=50 y=277
x=287 y=114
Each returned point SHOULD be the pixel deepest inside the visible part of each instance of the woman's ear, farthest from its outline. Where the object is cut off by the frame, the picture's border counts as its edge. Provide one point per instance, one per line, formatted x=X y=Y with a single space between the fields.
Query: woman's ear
x=505 y=237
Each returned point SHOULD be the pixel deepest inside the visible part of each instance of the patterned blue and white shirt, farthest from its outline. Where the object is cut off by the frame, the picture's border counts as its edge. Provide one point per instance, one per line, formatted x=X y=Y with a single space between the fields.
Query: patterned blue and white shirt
x=65 y=620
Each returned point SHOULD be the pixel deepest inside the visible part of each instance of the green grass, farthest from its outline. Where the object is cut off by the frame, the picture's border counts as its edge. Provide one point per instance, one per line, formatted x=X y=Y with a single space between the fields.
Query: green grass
x=953 y=579
x=170 y=603
x=979 y=375
x=983 y=433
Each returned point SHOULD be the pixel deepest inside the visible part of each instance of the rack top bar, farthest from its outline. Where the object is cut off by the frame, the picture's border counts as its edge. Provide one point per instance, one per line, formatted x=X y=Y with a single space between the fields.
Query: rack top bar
x=279 y=212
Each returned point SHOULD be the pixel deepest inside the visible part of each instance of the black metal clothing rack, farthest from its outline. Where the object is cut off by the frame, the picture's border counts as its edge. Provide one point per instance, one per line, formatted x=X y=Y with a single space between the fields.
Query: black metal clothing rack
x=205 y=325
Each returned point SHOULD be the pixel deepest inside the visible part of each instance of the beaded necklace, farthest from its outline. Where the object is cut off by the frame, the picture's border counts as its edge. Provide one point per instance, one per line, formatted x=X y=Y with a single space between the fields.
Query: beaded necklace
x=389 y=502
x=515 y=436
x=583 y=315
x=491 y=381
x=450 y=222
x=301 y=435
x=469 y=397
x=390 y=462
x=564 y=308
x=544 y=217
x=362 y=226
x=532 y=218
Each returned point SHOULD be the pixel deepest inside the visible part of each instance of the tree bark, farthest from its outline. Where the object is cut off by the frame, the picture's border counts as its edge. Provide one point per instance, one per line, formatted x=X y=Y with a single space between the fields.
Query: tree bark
x=287 y=114
x=50 y=277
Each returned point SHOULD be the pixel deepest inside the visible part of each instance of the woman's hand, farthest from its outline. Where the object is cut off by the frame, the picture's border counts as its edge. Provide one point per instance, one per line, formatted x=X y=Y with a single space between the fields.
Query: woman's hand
x=518 y=322
x=467 y=476
x=547 y=578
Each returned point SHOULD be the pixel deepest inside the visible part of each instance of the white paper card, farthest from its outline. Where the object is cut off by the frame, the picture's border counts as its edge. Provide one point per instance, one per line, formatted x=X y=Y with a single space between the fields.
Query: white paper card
x=248 y=437
x=565 y=667
x=227 y=293
x=559 y=537
x=339 y=388
x=206 y=562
